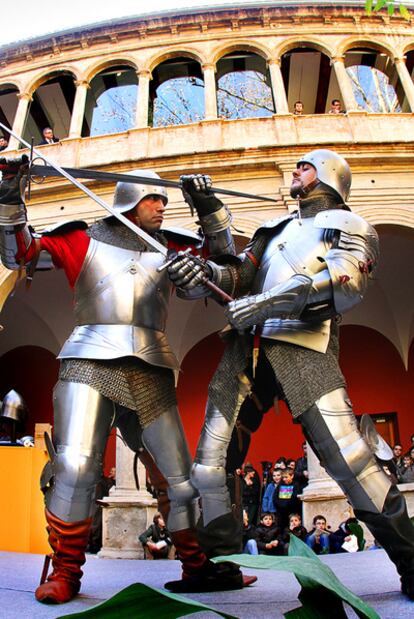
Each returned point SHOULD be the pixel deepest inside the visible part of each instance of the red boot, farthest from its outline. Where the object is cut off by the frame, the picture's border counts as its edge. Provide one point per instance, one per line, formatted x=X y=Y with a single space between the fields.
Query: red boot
x=68 y=541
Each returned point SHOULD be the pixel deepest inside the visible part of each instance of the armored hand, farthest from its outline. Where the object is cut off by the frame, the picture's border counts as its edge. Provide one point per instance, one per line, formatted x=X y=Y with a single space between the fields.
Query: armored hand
x=188 y=271
x=13 y=179
x=197 y=193
x=285 y=301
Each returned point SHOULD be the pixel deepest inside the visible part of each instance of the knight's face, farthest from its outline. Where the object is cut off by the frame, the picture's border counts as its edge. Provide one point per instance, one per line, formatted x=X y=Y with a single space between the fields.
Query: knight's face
x=149 y=213
x=303 y=178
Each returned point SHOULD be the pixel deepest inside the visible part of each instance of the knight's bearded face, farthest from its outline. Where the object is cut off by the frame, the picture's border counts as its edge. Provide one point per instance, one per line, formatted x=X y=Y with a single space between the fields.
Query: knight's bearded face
x=304 y=178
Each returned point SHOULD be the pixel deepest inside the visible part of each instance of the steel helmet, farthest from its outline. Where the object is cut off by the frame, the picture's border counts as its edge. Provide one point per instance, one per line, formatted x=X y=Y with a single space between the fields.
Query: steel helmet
x=13 y=407
x=332 y=169
x=127 y=195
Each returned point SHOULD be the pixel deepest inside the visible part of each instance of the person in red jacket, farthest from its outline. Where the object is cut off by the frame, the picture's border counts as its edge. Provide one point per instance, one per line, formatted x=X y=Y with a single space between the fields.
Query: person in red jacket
x=117 y=368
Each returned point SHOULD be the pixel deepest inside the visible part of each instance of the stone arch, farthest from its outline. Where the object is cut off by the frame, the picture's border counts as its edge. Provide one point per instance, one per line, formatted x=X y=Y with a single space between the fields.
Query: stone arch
x=309 y=42
x=373 y=75
x=176 y=52
x=116 y=112
x=357 y=41
x=308 y=76
x=100 y=65
x=52 y=98
x=176 y=90
x=245 y=45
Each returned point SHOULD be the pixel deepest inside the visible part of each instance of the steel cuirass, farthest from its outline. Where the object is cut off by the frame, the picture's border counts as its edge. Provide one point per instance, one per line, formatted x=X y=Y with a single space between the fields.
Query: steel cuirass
x=298 y=248
x=120 y=306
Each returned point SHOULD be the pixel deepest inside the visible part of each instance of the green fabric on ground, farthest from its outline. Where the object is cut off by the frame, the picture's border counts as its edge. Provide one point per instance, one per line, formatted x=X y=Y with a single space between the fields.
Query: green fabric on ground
x=139 y=601
x=322 y=593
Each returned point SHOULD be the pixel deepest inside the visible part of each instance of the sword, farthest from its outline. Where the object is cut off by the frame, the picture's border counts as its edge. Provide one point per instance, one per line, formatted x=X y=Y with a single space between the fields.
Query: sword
x=85 y=173
x=147 y=238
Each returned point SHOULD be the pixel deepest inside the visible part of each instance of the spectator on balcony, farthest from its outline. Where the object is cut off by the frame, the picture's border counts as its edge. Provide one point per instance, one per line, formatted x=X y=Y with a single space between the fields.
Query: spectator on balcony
x=336 y=107
x=3 y=143
x=298 y=108
x=48 y=137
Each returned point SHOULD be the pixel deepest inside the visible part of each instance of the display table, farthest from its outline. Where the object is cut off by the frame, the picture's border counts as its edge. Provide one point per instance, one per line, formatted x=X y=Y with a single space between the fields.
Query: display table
x=22 y=521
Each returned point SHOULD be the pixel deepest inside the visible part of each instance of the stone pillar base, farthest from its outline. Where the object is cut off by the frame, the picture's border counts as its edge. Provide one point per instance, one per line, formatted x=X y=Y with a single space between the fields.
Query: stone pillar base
x=123 y=520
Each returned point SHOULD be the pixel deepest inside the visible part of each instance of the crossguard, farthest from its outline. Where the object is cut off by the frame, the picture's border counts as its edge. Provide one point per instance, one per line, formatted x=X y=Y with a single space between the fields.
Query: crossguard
x=167 y=264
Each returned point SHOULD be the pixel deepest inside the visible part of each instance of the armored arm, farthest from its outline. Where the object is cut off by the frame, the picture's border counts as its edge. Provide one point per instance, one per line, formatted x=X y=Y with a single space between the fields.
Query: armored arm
x=214 y=216
x=349 y=262
x=234 y=275
x=15 y=237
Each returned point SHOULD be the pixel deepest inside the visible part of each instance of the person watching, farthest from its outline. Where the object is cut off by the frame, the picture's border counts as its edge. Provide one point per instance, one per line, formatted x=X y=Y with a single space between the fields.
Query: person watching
x=48 y=137
x=335 y=107
x=298 y=108
x=156 y=540
x=318 y=539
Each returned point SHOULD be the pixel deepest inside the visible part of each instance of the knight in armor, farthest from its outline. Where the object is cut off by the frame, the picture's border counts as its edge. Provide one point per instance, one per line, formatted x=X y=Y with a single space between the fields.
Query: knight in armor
x=117 y=368
x=294 y=280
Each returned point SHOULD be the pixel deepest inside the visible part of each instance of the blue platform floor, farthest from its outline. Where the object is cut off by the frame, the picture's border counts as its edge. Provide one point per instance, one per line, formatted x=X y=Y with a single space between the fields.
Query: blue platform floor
x=369 y=574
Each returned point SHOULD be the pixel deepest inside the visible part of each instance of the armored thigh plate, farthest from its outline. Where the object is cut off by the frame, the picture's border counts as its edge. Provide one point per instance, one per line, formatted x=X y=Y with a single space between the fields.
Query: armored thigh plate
x=82 y=422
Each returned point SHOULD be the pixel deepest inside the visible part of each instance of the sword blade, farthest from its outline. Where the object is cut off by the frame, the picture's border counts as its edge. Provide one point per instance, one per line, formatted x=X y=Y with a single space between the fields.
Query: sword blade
x=85 y=173
x=147 y=238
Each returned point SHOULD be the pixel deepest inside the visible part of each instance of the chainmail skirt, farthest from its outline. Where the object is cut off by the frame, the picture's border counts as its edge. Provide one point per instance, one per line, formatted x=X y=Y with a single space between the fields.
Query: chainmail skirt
x=145 y=389
x=303 y=375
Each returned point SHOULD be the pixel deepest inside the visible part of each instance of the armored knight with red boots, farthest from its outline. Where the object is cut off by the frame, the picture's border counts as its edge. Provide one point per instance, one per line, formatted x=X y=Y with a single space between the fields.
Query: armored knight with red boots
x=116 y=368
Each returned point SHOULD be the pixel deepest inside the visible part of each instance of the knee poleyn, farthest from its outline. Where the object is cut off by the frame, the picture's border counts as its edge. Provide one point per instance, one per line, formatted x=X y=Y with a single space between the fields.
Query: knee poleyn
x=206 y=478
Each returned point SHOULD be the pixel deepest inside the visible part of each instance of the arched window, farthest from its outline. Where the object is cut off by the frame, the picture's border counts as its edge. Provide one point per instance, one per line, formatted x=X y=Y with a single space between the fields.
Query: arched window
x=51 y=106
x=243 y=86
x=111 y=101
x=375 y=81
x=309 y=78
x=176 y=93
x=8 y=107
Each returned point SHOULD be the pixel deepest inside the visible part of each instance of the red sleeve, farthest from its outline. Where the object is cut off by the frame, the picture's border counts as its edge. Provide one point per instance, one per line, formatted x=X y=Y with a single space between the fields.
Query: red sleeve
x=68 y=252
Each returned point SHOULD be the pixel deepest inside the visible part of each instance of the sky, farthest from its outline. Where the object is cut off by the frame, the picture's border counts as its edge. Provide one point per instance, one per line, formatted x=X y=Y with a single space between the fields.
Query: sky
x=26 y=19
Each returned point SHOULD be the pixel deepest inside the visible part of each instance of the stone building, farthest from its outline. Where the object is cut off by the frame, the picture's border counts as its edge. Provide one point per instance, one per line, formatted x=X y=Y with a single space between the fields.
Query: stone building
x=213 y=90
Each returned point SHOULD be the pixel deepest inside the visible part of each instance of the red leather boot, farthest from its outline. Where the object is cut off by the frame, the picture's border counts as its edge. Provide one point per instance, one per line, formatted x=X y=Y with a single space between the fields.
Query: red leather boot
x=68 y=541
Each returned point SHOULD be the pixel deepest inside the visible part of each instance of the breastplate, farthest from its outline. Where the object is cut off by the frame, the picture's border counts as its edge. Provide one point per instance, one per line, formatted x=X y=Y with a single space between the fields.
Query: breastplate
x=120 y=306
x=298 y=248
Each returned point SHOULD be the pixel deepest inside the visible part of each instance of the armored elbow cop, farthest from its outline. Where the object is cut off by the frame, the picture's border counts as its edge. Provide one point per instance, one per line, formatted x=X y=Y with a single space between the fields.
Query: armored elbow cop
x=352 y=259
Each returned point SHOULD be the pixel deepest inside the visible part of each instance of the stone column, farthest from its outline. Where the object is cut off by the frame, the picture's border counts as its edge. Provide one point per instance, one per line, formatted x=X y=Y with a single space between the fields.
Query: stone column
x=78 y=111
x=344 y=83
x=20 y=119
x=406 y=81
x=210 y=91
x=278 y=87
x=127 y=512
x=144 y=77
x=323 y=496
